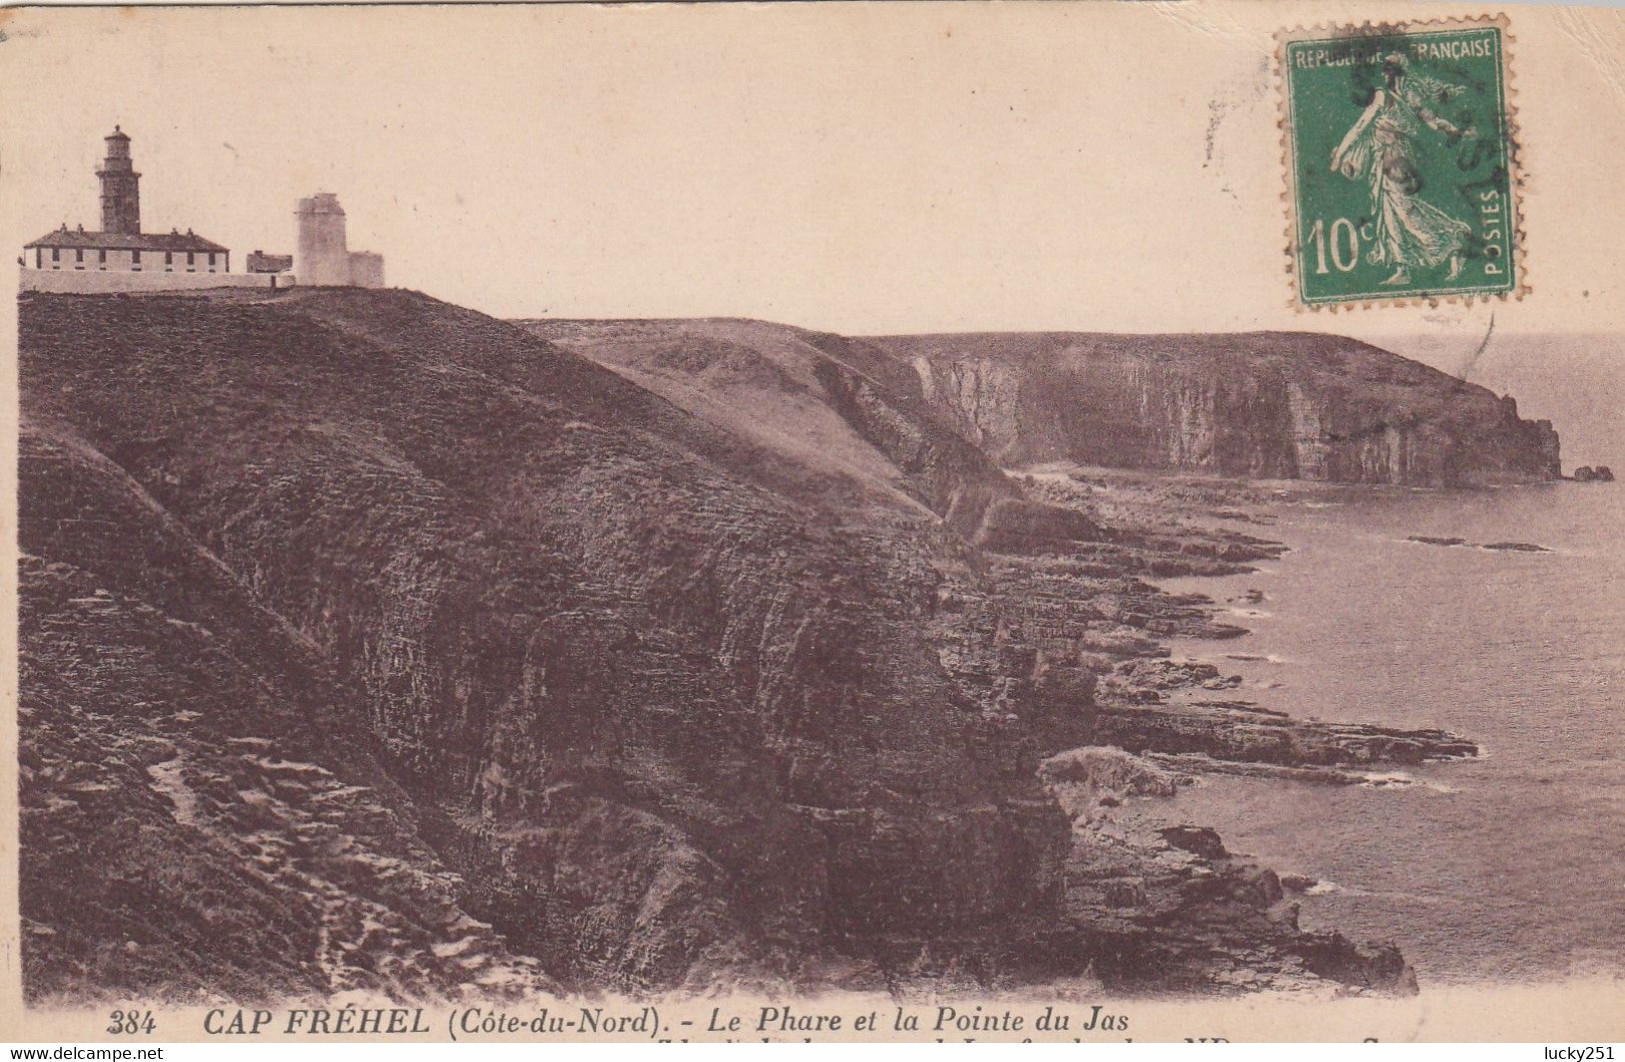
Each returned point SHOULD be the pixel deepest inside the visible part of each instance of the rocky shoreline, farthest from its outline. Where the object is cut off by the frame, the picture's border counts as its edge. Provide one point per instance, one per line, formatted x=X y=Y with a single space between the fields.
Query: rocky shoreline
x=436 y=655
x=1173 y=899
x=1158 y=893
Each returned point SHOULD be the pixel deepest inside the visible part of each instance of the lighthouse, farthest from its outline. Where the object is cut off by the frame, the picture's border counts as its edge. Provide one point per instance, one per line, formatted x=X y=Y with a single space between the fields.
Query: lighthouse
x=121 y=187
x=322 y=256
x=119 y=257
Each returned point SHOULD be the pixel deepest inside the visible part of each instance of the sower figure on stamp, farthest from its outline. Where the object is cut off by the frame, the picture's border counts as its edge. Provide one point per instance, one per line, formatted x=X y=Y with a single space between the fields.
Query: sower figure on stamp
x=1382 y=147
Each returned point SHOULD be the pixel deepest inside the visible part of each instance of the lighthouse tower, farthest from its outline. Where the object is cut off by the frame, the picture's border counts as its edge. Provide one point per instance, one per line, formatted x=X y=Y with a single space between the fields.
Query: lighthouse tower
x=121 y=192
x=321 y=254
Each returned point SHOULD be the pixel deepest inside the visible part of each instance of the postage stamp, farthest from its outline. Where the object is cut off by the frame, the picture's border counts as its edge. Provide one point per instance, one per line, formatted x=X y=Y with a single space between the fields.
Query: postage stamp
x=1400 y=155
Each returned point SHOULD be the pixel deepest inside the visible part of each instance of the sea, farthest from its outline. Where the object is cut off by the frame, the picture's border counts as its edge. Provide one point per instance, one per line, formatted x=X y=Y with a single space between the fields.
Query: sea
x=1506 y=868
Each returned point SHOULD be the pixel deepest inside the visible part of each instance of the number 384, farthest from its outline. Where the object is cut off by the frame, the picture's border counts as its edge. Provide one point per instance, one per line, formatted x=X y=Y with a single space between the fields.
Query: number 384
x=131 y=1022
x=1337 y=246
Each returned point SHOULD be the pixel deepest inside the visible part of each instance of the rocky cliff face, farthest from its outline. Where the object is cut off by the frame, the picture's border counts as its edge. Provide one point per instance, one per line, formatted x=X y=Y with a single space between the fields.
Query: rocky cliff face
x=672 y=704
x=199 y=817
x=435 y=656
x=820 y=400
x=1276 y=405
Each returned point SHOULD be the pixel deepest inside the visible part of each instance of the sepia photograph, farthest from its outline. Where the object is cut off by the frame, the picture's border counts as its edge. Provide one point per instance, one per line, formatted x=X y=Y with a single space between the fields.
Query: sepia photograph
x=555 y=523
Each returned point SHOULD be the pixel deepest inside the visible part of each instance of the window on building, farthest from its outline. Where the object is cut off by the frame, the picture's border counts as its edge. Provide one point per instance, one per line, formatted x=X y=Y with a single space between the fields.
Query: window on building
x=135 y=260
x=79 y=255
x=169 y=259
x=211 y=261
x=101 y=259
x=56 y=254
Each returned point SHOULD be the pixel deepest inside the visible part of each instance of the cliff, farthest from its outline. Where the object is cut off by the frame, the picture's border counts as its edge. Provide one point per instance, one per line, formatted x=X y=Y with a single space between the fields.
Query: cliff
x=199 y=819
x=669 y=703
x=1265 y=405
x=818 y=399
x=428 y=654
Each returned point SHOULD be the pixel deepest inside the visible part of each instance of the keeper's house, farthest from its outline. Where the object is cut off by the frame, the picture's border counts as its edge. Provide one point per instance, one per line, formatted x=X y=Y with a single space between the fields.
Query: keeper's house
x=133 y=252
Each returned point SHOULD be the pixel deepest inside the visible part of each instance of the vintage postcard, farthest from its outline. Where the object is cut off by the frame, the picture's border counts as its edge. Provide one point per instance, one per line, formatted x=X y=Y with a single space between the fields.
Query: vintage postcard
x=1077 y=522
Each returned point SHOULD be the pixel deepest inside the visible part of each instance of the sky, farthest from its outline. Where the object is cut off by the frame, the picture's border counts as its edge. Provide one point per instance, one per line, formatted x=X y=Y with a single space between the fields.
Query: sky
x=857 y=168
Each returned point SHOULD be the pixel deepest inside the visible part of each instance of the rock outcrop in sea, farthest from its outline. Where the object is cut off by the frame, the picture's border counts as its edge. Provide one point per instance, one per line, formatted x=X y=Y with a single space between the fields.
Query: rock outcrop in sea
x=369 y=642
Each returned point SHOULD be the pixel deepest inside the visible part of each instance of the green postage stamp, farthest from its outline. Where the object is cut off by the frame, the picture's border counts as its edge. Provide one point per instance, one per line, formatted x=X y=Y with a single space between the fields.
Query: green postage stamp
x=1401 y=154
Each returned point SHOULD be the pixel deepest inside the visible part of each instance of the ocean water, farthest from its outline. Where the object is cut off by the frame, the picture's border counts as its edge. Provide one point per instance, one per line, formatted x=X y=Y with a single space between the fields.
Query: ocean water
x=1508 y=868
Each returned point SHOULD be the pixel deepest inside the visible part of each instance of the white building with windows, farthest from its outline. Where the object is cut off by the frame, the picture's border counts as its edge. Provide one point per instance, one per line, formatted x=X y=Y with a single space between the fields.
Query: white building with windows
x=133 y=252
